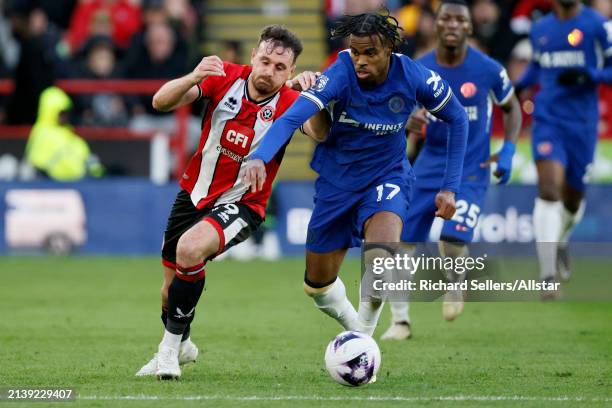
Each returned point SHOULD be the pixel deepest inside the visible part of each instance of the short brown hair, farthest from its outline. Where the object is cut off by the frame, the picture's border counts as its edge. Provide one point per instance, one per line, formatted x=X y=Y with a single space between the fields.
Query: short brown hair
x=280 y=36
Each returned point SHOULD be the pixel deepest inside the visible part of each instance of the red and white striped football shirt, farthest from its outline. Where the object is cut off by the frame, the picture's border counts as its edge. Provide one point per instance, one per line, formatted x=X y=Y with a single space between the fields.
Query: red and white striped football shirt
x=233 y=126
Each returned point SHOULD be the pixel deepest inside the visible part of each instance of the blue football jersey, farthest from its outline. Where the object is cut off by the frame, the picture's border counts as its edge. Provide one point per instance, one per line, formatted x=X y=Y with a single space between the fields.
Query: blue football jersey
x=367 y=138
x=584 y=41
x=478 y=83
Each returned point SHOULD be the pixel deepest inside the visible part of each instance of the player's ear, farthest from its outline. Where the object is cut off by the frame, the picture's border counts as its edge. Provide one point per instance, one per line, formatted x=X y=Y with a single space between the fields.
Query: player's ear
x=253 y=53
x=389 y=50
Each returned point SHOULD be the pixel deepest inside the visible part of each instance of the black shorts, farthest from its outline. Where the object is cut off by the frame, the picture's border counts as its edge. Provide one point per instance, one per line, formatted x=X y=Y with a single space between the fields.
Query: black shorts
x=234 y=223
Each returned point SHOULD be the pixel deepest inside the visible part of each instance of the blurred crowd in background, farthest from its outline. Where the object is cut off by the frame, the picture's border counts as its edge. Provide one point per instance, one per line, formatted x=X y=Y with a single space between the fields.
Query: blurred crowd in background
x=42 y=41
x=45 y=40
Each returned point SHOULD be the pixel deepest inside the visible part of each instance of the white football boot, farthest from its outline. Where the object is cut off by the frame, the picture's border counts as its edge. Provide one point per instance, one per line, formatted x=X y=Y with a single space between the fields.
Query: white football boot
x=397 y=331
x=563 y=262
x=188 y=353
x=167 y=363
x=452 y=306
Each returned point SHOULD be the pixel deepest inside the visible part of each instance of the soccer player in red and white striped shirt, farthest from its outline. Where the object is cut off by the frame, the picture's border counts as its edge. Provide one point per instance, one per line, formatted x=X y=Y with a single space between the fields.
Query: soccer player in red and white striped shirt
x=215 y=210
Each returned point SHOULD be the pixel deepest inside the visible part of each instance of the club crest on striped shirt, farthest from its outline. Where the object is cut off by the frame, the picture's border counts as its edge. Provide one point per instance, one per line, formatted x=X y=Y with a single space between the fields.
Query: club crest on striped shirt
x=266 y=113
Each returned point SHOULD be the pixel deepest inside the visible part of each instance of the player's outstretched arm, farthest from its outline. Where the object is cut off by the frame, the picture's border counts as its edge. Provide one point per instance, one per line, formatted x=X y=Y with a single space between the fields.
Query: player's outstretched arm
x=275 y=138
x=317 y=127
x=529 y=79
x=513 y=121
x=185 y=90
x=453 y=114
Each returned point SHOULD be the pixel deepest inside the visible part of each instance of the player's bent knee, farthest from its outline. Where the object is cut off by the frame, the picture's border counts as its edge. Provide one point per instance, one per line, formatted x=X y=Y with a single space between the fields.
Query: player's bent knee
x=192 y=248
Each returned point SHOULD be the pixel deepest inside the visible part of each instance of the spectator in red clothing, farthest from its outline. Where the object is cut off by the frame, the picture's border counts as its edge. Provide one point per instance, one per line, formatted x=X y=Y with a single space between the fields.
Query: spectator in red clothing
x=527 y=11
x=122 y=17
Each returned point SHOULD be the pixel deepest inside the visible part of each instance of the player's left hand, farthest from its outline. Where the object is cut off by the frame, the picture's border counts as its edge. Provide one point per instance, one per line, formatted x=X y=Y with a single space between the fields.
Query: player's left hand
x=303 y=81
x=503 y=158
x=445 y=203
x=254 y=175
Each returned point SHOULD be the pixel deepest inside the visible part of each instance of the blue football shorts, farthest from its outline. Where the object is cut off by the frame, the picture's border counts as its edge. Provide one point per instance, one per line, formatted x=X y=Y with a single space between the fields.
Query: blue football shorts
x=338 y=217
x=460 y=228
x=573 y=147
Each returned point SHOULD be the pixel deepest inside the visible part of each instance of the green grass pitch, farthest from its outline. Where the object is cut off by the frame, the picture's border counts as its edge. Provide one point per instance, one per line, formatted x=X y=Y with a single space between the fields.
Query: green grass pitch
x=91 y=322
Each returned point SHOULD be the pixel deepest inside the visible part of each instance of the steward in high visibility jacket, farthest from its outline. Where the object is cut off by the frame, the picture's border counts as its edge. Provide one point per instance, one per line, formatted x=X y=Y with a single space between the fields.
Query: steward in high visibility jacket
x=53 y=147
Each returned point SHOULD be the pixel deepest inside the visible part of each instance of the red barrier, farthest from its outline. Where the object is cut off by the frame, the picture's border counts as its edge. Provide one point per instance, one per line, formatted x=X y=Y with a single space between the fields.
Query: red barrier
x=178 y=141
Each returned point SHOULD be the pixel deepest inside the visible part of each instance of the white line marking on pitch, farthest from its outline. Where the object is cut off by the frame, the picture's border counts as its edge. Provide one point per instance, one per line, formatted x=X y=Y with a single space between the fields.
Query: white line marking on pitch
x=314 y=398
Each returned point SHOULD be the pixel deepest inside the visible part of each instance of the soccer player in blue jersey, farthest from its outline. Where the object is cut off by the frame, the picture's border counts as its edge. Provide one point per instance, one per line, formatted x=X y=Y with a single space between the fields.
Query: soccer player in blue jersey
x=572 y=55
x=478 y=81
x=365 y=181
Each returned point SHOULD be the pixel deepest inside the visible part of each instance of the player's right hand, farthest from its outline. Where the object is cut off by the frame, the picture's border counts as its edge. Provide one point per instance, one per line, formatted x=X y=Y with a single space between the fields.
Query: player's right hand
x=417 y=122
x=303 y=81
x=445 y=203
x=254 y=175
x=208 y=66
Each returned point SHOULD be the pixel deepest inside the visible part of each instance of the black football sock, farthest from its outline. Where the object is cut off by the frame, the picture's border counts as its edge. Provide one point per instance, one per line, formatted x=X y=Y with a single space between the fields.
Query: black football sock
x=164 y=319
x=183 y=295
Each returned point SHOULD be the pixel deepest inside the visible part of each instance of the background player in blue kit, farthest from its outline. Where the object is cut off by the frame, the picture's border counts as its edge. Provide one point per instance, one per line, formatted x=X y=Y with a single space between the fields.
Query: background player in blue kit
x=572 y=54
x=478 y=81
x=365 y=181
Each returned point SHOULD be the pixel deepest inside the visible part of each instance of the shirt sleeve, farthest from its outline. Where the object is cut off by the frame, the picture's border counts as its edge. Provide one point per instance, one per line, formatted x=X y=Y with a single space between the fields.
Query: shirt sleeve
x=432 y=91
x=283 y=128
x=329 y=86
x=502 y=89
x=604 y=38
x=531 y=76
x=436 y=96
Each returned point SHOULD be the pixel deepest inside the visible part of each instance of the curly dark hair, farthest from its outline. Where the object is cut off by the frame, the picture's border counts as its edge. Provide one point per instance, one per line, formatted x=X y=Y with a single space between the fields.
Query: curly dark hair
x=280 y=36
x=381 y=24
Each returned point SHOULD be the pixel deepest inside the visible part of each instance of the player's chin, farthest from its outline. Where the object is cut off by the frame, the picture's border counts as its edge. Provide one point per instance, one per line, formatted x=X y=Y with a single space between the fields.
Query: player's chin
x=264 y=87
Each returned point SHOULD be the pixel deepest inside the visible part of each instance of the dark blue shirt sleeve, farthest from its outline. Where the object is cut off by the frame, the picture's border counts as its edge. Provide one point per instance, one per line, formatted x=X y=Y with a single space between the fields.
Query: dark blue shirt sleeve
x=283 y=128
x=454 y=114
x=436 y=96
x=604 y=38
x=531 y=76
x=329 y=86
x=502 y=88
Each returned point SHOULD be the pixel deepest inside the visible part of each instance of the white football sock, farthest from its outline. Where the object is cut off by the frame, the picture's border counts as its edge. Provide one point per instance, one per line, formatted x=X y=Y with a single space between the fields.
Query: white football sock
x=569 y=221
x=399 y=311
x=171 y=340
x=547 y=230
x=453 y=250
x=332 y=301
x=369 y=312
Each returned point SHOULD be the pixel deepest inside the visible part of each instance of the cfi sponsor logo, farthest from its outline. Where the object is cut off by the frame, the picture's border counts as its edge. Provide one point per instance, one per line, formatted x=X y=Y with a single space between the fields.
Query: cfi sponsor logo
x=468 y=89
x=266 y=113
x=575 y=37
